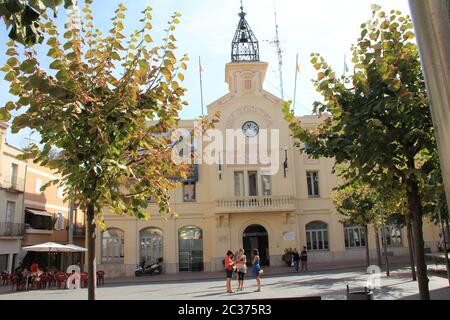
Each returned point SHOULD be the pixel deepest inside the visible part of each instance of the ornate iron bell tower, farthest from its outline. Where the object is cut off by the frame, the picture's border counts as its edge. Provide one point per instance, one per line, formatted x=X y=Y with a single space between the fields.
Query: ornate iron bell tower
x=245 y=46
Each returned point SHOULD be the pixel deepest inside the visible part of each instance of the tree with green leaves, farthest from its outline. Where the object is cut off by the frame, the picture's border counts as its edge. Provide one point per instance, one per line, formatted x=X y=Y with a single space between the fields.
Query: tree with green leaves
x=355 y=202
x=107 y=105
x=22 y=17
x=377 y=121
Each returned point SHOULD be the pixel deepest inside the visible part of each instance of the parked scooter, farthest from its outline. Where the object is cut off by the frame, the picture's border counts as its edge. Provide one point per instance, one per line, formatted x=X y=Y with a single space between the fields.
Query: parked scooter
x=151 y=269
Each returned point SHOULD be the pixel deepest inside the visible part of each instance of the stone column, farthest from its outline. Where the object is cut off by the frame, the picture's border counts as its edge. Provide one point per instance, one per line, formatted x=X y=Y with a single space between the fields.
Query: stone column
x=10 y=262
x=432 y=24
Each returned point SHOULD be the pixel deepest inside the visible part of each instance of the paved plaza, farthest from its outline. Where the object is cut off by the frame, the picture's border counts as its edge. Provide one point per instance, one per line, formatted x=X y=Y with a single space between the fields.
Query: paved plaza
x=330 y=285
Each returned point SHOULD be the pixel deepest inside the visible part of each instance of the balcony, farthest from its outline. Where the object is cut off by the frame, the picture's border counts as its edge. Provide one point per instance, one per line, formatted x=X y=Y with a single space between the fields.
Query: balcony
x=13 y=184
x=255 y=204
x=10 y=229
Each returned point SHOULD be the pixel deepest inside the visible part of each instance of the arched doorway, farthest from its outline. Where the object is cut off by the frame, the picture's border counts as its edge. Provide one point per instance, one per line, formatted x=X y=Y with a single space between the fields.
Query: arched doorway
x=190 y=249
x=151 y=244
x=255 y=236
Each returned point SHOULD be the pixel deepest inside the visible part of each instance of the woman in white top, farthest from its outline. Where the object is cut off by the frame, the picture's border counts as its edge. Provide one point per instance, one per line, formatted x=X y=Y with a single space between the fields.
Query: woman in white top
x=241 y=265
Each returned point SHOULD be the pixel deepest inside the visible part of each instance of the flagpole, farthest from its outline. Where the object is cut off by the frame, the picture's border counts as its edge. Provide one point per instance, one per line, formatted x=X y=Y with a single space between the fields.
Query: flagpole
x=201 y=85
x=345 y=57
x=295 y=85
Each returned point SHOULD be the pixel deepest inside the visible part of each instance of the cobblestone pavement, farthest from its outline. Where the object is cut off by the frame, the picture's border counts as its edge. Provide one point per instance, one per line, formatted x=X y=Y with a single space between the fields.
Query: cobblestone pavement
x=330 y=285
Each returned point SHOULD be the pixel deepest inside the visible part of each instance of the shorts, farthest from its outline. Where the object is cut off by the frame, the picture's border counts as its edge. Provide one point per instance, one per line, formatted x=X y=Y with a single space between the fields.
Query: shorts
x=229 y=273
x=241 y=275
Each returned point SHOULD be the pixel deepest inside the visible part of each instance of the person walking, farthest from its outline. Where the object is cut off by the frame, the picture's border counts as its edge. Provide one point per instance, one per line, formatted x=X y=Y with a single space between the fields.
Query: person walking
x=229 y=269
x=296 y=259
x=241 y=266
x=257 y=271
x=304 y=259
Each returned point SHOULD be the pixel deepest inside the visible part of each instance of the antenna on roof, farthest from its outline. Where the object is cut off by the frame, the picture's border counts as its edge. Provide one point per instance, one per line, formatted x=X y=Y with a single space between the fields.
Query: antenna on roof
x=276 y=43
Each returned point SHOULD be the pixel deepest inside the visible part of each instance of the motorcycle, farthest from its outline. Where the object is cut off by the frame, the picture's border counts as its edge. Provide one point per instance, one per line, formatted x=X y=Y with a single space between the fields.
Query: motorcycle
x=151 y=269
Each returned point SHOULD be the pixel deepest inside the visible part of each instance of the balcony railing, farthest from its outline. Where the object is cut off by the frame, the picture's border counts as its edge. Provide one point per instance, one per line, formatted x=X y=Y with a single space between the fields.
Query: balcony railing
x=13 y=183
x=255 y=204
x=10 y=229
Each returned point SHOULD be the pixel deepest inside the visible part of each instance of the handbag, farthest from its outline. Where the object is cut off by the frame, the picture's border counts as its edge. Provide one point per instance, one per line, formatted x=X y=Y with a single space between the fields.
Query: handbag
x=261 y=272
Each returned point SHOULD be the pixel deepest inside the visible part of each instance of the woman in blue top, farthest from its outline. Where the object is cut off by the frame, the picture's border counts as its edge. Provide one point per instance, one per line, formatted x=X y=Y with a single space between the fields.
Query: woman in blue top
x=256 y=269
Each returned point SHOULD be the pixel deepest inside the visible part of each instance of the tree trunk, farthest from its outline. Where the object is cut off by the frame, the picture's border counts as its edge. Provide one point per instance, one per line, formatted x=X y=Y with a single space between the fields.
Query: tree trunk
x=447 y=228
x=411 y=247
x=92 y=272
x=386 y=258
x=378 y=247
x=366 y=230
x=412 y=191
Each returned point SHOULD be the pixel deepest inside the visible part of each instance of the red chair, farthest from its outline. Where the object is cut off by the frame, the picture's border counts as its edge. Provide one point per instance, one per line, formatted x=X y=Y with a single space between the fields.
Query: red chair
x=100 y=277
x=5 y=278
x=83 y=279
x=40 y=281
x=49 y=280
x=61 y=278
x=20 y=282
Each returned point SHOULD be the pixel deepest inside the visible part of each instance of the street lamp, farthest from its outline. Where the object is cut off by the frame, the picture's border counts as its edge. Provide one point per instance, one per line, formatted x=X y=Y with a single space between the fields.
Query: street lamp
x=220 y=168
x=285 y=164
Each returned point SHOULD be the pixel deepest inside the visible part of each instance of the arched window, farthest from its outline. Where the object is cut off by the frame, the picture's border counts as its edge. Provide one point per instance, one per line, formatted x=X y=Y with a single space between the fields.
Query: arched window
x=151 y=244
x=113 y=246
x=317 y=235
x=355 y=236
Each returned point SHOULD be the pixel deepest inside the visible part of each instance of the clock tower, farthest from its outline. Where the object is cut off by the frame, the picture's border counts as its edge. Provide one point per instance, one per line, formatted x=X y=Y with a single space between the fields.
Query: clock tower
x=245 y=74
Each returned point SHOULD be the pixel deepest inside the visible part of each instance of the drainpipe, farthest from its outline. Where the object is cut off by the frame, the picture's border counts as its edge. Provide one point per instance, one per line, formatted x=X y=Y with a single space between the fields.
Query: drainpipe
x=23 y=216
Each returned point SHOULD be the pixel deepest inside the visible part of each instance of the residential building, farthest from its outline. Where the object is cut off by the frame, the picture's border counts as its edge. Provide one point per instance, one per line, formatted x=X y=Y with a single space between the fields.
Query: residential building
x=29 y=215
x=12 y=177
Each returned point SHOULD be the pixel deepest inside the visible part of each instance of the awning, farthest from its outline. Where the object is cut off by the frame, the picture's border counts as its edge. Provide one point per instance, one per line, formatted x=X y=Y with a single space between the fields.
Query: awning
x=39 y=212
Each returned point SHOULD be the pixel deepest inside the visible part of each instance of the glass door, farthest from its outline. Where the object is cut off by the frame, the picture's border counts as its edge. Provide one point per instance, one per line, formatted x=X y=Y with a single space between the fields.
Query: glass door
x=190 y=246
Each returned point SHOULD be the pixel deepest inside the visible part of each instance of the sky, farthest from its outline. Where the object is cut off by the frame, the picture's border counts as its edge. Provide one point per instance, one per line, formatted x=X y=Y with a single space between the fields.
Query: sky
x=207 y=27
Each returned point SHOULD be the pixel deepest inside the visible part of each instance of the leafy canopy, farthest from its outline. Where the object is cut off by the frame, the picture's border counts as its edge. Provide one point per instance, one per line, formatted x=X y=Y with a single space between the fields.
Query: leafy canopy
x=22 y=17
x=107 y=105
x=377 y=121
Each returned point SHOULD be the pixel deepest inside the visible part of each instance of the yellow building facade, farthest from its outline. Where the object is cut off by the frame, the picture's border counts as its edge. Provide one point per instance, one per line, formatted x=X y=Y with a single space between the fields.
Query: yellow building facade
x=12 y=188
x=227 y=206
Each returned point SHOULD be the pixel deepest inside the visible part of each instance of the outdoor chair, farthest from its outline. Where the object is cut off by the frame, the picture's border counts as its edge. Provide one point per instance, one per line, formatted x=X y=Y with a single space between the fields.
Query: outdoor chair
x=83 y=279
x=40 y=282
x=61 y=279
x=5 y=278
x=100 y=277
x=49 y=280
x=19 y=282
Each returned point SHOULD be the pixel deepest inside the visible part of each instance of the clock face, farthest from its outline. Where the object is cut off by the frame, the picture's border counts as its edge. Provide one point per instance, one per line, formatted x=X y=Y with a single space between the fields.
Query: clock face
x=250 y=129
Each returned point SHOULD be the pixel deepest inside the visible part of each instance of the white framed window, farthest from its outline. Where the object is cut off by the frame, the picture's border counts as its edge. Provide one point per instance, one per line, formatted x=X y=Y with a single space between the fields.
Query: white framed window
x=355 y=236
x=266 y=185
x=252 y=183
x=39 y=184
x=189 y=191
x=393 y=236
x=60 y=193
x=317 y=235
x=113 y=244
x=238 y=184
x=60 y=223
x=312 y=179
x=151 y=244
